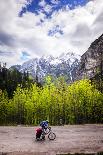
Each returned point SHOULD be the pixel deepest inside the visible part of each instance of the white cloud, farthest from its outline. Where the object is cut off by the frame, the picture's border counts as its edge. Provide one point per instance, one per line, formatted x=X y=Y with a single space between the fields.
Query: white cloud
x=55 y=2
x=45 y=7
x=81 y=26
x=42 y=3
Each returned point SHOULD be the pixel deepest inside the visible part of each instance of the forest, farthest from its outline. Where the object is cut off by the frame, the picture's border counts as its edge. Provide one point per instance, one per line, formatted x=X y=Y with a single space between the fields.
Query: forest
x=25 y=101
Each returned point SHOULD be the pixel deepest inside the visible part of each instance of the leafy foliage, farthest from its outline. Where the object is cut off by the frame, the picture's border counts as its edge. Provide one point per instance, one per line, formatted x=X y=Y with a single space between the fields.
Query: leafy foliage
x=76 y=103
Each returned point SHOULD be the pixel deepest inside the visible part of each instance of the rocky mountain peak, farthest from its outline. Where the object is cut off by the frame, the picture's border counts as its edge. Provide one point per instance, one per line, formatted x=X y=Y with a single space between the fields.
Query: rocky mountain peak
x=71 y=65
x=49 y=65
x=91 y=62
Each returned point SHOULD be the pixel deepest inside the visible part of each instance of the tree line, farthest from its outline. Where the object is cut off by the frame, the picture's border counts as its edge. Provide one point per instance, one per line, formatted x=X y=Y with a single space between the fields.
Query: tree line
x=75 y=103
x=10 y=78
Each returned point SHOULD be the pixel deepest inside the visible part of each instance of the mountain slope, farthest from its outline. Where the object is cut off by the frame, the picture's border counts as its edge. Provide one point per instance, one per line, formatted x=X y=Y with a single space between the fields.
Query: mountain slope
x=64 y=65
x=91 y=62
x=71 y=65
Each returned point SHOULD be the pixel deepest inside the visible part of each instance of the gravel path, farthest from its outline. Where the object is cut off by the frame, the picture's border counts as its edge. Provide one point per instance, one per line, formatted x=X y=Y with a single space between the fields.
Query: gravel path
x=70 y=139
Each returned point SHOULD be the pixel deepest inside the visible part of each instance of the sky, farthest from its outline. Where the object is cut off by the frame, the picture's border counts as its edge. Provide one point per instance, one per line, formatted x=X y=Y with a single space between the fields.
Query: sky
x=34 y=28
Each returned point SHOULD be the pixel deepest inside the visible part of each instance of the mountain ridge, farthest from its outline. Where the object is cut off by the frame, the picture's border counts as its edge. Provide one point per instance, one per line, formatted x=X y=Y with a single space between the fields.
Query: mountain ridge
x=71 y=65
x=91 y=62
x=49 y=65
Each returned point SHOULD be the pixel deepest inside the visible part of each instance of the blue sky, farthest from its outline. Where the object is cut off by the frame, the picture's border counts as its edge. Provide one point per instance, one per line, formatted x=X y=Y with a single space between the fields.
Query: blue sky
x=56 y=5
x=33 y=28
x=24 y=56
x=38 y=6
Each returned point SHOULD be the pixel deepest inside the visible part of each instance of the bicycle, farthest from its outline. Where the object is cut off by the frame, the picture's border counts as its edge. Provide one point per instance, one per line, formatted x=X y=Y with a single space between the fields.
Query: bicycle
x=51 y=134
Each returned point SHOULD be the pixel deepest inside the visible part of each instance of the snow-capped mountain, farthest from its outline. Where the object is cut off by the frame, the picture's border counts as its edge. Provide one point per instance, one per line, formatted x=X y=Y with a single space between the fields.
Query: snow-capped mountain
x=65 y=65
x=71 y=65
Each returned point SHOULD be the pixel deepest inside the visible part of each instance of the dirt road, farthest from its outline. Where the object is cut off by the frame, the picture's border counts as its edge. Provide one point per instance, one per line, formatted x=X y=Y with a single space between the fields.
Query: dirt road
x=70 y=139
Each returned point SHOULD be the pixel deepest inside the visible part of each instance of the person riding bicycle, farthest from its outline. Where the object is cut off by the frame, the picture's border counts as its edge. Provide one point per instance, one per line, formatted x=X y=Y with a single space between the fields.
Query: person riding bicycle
x=44 y=130
x=44 y=125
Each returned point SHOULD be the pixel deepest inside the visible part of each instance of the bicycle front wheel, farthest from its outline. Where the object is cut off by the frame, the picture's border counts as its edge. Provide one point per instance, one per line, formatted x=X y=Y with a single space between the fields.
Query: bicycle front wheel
x=52 y=136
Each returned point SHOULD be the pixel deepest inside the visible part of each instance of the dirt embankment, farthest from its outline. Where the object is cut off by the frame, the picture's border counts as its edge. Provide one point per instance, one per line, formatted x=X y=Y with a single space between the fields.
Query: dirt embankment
x=70 y=139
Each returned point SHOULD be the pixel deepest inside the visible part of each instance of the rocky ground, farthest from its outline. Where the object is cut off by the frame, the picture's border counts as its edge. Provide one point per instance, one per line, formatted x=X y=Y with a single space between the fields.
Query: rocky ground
x=70 y=139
